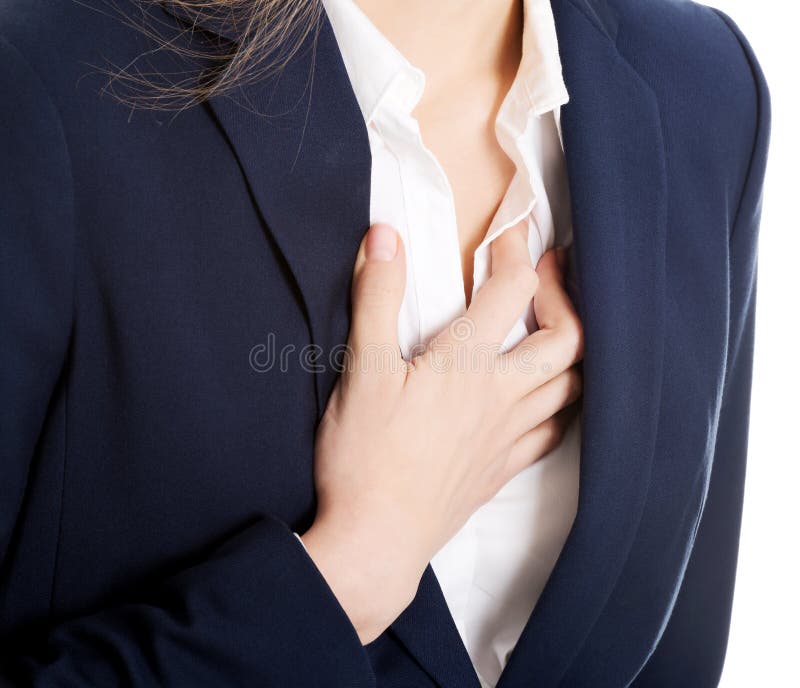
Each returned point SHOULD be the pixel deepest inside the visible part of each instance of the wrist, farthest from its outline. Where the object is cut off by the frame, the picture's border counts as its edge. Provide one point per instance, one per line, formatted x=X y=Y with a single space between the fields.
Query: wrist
x=373 y=579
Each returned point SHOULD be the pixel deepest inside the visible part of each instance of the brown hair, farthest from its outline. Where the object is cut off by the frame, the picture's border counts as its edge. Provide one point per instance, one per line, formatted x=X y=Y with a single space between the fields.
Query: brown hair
x=268 y=34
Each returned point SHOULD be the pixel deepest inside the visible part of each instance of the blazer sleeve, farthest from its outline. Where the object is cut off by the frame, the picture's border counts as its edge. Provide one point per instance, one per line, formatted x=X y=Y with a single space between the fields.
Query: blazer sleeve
x=692 y=649
x=252 y=611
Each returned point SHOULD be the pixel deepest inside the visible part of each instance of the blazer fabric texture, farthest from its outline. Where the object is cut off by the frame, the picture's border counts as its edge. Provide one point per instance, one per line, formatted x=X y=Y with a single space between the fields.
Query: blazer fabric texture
x=154 y=461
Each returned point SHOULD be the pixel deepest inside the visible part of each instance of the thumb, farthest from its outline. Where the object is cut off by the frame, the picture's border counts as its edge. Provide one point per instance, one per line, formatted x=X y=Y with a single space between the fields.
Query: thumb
x=378 y=285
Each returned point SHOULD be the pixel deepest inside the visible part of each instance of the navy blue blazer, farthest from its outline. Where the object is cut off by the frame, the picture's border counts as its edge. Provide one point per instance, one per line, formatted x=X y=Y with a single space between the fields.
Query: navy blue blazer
x=155 y=460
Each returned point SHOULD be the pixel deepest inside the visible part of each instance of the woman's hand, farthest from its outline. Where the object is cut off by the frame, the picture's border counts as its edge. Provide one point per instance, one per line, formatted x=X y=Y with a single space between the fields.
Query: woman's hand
x=405 y=454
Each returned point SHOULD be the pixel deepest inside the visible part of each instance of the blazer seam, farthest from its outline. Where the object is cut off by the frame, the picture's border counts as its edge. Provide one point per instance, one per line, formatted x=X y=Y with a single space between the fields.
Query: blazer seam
x=761 y=131
x=70 y=335
x=757 y=136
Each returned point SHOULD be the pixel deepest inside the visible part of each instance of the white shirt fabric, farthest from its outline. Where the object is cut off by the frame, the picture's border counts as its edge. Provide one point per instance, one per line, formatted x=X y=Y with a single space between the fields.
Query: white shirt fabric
x=493 y=571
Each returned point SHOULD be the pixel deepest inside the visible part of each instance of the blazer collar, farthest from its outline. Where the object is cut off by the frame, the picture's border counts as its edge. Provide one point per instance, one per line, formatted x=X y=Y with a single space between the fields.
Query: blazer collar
x=302 y=144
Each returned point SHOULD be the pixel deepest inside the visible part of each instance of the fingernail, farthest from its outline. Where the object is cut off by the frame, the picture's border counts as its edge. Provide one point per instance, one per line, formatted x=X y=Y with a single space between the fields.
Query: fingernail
x=561 y=257
x=381 y=243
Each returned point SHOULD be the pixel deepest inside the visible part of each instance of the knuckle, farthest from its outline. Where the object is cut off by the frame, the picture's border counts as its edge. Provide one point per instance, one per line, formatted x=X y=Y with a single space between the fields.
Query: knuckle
x=492 y=486
x=502 y=388
x=372 y=292
x=575 y=383
x=487 y=491
x=553 y=432
x=573 y=331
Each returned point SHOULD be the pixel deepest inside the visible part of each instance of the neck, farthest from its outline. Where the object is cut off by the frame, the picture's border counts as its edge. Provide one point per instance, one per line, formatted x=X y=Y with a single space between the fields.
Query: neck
x=453 y=40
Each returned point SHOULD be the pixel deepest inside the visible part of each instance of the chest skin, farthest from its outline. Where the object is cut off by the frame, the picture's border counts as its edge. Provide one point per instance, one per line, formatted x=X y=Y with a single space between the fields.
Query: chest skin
x=462 y=138
x=457 y=122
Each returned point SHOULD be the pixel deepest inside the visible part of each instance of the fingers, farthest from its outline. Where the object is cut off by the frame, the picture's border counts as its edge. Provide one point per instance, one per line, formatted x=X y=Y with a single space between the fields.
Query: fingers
x=558 y=343
x=510 y=248
x=378 y=286
x=538 y=442
x=544 y=402
x=551 y=305
x=507 y=293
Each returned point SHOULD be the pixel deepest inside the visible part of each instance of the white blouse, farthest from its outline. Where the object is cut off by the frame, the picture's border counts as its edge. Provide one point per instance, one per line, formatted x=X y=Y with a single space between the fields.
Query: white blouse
x=493 y=571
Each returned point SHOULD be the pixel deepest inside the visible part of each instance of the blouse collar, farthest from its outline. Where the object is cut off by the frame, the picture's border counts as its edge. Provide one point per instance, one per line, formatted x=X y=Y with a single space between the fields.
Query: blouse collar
x=380 y=75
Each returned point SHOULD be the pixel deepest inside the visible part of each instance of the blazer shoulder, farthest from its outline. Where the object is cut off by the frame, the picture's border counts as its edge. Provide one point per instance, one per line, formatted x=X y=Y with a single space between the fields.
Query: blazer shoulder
x=32 y=136
x=42 y=29
x=696 y=37
x=673 y=42
x=36 y=207
x=64 y=41
x=706 y=77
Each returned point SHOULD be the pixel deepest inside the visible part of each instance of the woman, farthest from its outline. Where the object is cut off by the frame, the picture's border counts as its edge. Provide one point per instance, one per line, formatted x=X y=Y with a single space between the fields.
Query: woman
x=203 y=486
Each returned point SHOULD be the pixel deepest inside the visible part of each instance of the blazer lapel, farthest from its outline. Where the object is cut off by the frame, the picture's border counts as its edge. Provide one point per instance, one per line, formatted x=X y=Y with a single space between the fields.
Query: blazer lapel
x=616 y=168
x=302 y=145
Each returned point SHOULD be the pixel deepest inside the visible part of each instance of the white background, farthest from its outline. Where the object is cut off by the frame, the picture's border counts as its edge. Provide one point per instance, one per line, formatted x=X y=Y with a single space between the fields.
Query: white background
x=764 y=647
